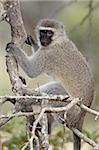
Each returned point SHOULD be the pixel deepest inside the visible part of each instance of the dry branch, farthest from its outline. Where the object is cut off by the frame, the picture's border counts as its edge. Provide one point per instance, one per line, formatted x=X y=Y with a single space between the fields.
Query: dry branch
x=12 y=16
x=36 y=100
x=18 y=35
x=41 y=115
x=44 y=126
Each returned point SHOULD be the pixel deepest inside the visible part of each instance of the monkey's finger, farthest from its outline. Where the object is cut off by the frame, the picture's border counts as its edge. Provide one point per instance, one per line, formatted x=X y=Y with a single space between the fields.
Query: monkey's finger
x=9 y=46
x=29 y=40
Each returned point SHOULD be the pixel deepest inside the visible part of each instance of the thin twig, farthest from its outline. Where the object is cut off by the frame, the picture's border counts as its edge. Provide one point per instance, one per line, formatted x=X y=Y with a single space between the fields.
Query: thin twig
x=89 y=110
x=18 y=114
x=63 y=98
x=86 y=139
x=91 y=9
x=4 y=120
x=25 y=146
x=51 y=109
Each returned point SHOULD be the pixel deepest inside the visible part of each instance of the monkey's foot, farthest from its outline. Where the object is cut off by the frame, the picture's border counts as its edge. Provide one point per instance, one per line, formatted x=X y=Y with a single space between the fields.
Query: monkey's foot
x=23 y=80
x=10 y=46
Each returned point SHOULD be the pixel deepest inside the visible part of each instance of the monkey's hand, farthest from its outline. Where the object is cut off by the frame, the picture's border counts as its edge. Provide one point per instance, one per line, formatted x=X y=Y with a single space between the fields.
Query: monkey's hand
x=10 y=47
x=29 y=40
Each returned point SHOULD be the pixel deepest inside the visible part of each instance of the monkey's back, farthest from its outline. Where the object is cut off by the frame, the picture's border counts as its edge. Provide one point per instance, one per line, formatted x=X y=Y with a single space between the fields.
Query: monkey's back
x=69 y=66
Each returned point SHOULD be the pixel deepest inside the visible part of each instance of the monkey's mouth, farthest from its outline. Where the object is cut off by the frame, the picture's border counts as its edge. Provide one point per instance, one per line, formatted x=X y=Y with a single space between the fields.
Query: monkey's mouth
x=45 y=42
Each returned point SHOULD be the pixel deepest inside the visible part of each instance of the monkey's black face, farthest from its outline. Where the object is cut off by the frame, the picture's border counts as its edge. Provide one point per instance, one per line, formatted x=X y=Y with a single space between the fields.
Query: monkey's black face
x=46 y=37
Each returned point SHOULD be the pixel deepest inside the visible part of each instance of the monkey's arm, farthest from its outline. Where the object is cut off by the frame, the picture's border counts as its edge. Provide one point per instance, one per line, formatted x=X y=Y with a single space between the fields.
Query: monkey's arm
x=31 y=65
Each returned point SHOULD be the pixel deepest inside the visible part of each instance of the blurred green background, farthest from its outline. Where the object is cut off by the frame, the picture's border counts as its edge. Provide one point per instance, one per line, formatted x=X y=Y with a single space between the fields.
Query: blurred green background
x=85 y=34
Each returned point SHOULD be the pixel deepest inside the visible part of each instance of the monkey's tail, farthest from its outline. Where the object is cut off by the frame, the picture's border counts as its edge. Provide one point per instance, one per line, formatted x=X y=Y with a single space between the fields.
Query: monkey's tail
x=76 y=142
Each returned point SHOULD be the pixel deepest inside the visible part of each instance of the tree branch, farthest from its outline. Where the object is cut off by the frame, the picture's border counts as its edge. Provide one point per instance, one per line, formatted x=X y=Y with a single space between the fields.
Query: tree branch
x=18 y=36
x=36 y=100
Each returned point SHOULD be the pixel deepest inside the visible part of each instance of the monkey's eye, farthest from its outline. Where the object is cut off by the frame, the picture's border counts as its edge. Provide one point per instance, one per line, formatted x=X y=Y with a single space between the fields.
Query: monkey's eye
x=49 y=33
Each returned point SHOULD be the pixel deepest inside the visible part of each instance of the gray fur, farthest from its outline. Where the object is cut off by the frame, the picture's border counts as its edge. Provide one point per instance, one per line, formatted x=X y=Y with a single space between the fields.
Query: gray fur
x=61 y=60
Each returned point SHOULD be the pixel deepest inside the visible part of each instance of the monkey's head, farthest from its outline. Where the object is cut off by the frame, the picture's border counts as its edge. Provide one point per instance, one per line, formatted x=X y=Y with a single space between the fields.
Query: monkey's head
x=49 y=31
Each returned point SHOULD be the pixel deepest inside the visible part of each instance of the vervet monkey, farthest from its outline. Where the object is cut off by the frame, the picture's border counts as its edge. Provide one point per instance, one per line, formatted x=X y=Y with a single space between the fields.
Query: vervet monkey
x=58 y=57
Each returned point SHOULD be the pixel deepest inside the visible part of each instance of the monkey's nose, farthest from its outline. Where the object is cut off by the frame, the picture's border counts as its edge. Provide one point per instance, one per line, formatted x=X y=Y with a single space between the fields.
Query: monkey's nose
x=44 y=42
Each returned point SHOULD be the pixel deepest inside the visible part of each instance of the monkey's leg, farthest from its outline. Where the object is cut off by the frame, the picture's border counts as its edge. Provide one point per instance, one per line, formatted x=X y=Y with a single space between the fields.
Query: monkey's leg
x=51 y=88
x=56 y=88
x=50 y=120
x=76 y=139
